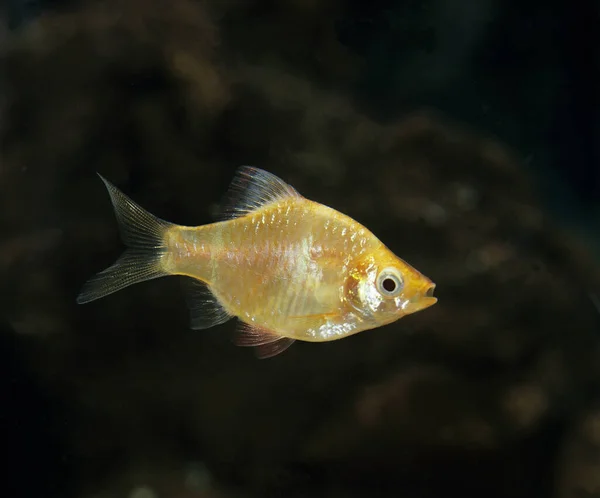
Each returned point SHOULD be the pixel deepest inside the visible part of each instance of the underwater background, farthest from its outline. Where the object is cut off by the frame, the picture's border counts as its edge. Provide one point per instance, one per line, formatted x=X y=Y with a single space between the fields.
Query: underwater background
x=465 y=135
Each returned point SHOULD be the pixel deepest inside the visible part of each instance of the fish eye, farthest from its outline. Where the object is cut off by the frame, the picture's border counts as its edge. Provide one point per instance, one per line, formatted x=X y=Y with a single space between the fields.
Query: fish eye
x=389 y=282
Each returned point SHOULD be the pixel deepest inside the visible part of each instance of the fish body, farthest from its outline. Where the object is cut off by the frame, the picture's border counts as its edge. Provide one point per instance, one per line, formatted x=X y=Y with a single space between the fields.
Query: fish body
x=287 y=267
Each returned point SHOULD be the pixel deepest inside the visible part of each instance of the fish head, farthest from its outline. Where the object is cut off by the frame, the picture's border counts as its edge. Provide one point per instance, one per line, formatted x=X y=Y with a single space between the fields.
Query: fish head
x=384 y=288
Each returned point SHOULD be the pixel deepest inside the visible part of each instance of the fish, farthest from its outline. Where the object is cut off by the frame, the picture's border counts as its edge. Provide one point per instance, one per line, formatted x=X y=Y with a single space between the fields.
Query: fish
x=286 y=267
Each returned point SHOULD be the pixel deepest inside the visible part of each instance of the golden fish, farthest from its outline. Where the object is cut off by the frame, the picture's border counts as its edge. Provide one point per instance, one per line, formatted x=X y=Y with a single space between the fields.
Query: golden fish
x=288 y=268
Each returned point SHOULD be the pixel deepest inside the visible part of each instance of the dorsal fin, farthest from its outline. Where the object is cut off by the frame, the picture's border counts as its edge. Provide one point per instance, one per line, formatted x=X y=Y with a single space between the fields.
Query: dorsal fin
x=251 y=189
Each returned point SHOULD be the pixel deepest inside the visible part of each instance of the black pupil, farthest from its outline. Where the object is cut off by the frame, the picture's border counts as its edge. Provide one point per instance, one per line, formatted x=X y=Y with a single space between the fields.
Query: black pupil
x=389 y=284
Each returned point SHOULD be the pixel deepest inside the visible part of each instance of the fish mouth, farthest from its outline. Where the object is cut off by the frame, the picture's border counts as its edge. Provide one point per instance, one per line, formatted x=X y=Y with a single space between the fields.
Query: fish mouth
x=422 y=300
x=429 y=290
x=427 y=299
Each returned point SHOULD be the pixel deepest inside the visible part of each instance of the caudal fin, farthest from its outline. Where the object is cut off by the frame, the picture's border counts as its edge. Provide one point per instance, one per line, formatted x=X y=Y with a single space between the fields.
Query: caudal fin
x=144 y=235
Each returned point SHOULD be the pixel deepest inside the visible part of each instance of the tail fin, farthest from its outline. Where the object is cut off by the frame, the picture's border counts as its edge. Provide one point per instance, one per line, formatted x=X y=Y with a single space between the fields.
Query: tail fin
x=144 y=234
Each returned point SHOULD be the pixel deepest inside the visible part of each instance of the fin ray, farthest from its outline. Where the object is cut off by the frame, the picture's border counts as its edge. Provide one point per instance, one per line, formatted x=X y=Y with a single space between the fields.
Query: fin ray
x=251 y=189
x=131 y=268
x=271 y=349
x=266 y=343
x=138 y=227
x=144 y=235
x=205 y=309
x=253 y=335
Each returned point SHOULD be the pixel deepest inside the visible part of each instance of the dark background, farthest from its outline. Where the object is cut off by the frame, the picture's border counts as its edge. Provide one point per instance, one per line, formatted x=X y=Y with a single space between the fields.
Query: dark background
x=464 y=134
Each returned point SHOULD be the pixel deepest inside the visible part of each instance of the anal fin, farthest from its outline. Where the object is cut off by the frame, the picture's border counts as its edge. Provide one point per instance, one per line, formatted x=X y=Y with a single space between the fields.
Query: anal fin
x=205 y=309
x=266 y=343
x=273 y=348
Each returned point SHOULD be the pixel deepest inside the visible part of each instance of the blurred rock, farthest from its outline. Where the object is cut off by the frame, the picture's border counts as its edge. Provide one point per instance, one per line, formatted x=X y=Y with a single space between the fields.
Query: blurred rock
x=580 y=458
x=294 y=36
